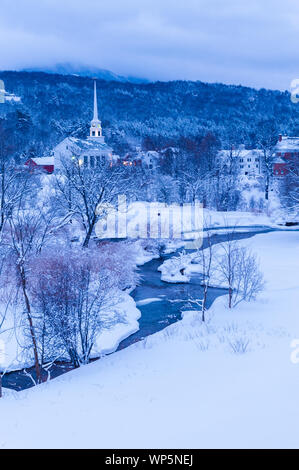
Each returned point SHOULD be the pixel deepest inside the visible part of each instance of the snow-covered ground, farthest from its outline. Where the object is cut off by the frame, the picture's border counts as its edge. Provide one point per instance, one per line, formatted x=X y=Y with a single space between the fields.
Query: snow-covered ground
x=180 y=268
x=175 y=221
x=188 y=386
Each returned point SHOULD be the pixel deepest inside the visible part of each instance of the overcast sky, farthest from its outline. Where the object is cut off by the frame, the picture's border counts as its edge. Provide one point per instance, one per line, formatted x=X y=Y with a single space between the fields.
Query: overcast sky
x=251 y=42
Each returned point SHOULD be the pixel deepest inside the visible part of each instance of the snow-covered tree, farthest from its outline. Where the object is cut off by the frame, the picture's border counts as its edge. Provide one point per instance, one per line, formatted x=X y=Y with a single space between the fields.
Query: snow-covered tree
x=84 y=193
x=239 y=270
x=29 y=230
x=74 y=294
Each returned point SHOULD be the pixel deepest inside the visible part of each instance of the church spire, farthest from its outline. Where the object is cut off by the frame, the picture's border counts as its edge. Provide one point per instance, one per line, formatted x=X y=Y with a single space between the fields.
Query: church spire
x=95 y=126
x=95 y=103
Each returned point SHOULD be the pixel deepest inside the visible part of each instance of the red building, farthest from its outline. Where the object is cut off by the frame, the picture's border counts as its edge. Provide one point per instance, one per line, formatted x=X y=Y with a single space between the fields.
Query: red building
x=43 y=164
x=287 y=153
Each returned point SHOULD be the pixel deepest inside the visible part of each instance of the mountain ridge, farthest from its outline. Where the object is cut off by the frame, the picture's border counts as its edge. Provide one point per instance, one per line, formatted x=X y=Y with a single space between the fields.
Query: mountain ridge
x=67 y=68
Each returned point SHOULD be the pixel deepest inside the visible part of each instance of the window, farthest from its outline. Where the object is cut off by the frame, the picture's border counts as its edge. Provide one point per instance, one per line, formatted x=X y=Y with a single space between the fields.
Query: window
x=92 y=161
x=256 y=166
x=98 y=160
x=241 y=166
x=241 y=160
x=86 y=161
x=257 y=159
x=249 y=159
x=248 y=166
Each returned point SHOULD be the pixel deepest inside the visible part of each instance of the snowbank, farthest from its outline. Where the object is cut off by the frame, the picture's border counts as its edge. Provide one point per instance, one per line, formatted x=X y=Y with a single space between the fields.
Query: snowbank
x=109 y=339
x=14 y=357
x=181 y=268
x=228 y=383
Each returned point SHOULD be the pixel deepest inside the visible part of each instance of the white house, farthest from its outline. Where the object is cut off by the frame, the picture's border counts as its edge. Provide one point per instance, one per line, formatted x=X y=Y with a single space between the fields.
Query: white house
x=247 y=162
x=7 y=97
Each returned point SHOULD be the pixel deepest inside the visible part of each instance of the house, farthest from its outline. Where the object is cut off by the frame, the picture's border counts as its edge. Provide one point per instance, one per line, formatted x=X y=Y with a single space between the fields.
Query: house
x=286 y=152
x=42 y=164
x=147 y=159
x=246 y=162
x=130 y=159
x=150 y=159
x=7 y=97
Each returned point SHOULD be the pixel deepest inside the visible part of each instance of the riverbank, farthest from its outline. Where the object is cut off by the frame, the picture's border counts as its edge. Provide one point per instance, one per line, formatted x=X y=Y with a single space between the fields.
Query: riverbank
x=152 y=317
x=185 y=386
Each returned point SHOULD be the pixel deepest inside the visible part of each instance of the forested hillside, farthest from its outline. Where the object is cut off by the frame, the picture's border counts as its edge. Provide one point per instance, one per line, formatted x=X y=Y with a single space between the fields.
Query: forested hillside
x=156 y=115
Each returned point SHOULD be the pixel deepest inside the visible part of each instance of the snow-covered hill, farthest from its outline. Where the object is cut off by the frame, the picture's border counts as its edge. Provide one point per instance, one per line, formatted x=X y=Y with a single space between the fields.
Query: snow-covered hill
x=229 y=383
x=85 y=71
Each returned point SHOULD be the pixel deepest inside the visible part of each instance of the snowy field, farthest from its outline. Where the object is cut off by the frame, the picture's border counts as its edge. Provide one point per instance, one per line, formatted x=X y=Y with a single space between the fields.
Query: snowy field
x=188 y=386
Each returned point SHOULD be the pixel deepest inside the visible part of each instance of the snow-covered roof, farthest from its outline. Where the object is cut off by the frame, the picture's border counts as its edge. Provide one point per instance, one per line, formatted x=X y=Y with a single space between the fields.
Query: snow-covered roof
x=43 y=160
x=288 y=143
x=9 y=96
x=152 y=153
x=84 y=144
x=241 y=153
x=279 y=160
x=173 y=149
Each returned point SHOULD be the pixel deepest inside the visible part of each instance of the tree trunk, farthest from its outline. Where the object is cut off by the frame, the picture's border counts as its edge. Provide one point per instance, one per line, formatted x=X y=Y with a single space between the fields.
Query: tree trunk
x=31 y=328
x=90 y=229
x=230 y=294
x=204 y=301
x=94 y=218
x=88 y=235
x=267 y=188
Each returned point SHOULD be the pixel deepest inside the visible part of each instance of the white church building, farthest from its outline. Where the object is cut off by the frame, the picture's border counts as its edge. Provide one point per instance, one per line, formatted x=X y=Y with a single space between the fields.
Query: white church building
x=90 y=152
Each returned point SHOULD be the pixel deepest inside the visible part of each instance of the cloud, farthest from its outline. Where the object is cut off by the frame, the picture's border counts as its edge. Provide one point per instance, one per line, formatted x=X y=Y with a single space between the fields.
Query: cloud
x=233 y=41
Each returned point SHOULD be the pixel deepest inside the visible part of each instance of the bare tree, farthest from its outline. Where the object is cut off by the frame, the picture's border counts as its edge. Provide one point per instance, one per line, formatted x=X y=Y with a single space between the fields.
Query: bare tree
x=267 y=140
x=84 y=191
x=239 y=270
x=193 y=181
x=29 y=229
x=206 y=258
x=290 y=185
x=2 y=319
x=7 y=300
x=13 y=184
x=73 y=295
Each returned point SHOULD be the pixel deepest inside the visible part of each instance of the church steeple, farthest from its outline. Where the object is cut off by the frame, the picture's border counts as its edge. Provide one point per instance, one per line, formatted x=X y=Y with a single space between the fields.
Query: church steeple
x=95 y=126
x=95 y=103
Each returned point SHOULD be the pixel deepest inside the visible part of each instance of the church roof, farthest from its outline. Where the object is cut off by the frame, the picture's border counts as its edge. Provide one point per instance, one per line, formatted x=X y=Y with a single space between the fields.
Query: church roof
x=84 y=144
x=89 y=144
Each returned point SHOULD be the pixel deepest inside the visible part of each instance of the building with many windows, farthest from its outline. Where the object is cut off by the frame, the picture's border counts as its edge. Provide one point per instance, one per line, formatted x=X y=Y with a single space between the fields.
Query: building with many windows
x=245 y=162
